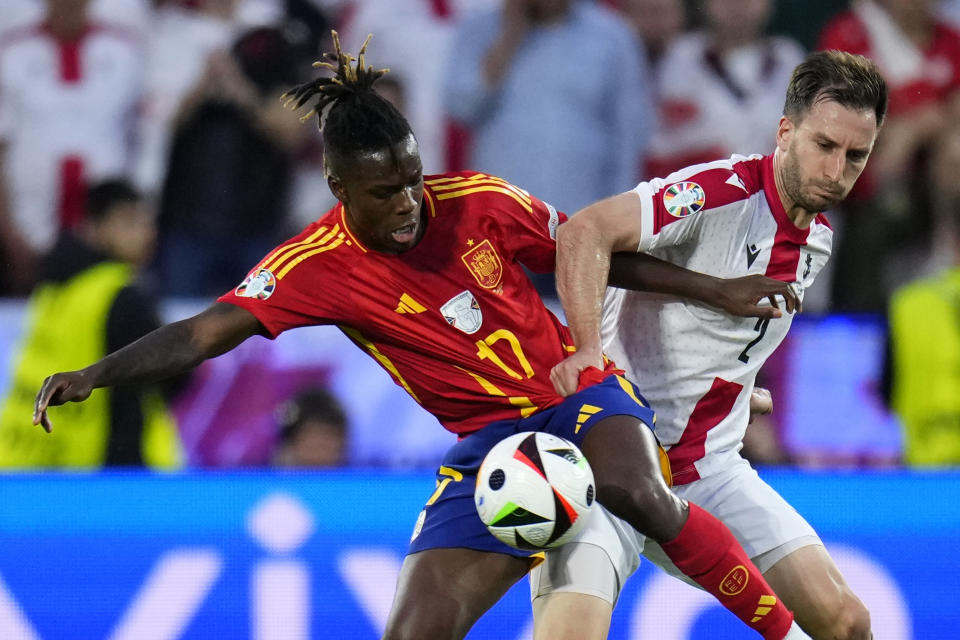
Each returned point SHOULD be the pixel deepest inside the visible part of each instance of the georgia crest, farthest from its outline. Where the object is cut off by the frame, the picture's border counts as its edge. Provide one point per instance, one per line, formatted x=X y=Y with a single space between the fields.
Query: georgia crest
x=484 y=263
x=683 y=198
x=258 y=285
x=463 y=312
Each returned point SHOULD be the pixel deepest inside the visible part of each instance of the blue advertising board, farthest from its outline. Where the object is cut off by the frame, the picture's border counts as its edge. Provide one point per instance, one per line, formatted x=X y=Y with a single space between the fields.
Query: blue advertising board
x=271 y=556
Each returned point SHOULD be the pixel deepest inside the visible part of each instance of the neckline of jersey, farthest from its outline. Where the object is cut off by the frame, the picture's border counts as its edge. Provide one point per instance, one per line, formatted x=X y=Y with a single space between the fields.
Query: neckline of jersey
x=342 y=215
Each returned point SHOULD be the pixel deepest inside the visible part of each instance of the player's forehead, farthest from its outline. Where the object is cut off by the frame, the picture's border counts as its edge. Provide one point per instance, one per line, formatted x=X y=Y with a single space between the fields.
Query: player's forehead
x=397 y=164
x=849 y=126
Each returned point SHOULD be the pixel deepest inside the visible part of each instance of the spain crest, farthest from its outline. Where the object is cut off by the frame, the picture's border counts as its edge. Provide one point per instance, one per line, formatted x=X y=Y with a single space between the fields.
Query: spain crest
x=484 y=263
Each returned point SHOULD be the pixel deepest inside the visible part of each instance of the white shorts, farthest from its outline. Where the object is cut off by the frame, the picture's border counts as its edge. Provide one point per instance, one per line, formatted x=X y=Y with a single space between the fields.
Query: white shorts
x=606 y=553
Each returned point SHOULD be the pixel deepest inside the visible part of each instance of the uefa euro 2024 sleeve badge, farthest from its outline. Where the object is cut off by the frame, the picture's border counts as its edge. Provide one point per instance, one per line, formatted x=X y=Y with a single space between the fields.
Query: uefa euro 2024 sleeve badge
x=258 y=285
x=683 y=198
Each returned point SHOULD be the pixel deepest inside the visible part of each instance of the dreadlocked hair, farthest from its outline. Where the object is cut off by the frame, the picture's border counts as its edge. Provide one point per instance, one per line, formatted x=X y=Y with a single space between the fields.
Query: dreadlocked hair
x=351 y=115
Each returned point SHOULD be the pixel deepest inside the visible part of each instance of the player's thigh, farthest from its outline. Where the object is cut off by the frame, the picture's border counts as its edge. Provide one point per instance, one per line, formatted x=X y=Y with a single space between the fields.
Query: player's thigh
x=577 y=585
x=597 y=562
x=574 y=591
x=455 y=568
x=809 y=583
x=571 y=616
x=441 y=593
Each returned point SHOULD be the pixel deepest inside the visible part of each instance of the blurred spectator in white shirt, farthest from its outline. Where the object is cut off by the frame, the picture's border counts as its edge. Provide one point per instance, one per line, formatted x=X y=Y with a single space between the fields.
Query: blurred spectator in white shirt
x=69 y=88
x=716 y=83
x=132 y=14
x=414 y=38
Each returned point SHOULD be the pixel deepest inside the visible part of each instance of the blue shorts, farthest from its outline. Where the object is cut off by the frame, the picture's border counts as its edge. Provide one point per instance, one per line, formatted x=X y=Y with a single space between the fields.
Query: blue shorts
x=450 y=519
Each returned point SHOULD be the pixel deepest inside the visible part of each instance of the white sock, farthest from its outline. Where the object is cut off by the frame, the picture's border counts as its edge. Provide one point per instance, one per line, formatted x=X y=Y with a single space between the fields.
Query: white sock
x=796 y=633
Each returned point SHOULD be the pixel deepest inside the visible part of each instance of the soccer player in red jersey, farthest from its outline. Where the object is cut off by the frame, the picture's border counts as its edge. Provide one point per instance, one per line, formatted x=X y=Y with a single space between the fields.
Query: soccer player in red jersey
x=424 y=274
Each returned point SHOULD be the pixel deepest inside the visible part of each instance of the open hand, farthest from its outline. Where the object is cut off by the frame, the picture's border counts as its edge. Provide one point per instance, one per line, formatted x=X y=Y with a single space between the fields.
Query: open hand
x=72 y=386
x=741 y=296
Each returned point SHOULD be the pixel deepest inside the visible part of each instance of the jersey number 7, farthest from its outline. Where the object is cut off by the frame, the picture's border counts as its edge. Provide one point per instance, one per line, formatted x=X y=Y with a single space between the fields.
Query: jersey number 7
x=761 y=328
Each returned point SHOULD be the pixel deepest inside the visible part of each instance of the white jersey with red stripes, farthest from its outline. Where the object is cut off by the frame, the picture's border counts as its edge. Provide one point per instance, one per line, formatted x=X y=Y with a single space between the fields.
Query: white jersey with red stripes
x=67 y=111
x=694 y=363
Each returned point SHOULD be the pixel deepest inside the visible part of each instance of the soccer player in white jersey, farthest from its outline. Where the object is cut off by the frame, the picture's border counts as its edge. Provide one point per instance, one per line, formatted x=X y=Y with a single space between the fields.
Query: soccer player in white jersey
x=697 y=364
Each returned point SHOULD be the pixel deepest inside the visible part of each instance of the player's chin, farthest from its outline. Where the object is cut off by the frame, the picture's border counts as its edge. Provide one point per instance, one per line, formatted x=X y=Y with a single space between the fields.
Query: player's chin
x=816 y=202
x=822 y=200
x=401 y=247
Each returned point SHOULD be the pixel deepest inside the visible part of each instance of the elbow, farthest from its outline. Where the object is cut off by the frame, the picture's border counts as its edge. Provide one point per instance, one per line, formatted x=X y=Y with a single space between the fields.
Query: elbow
x=569 y=235
x=584 y=228
x=190 y=347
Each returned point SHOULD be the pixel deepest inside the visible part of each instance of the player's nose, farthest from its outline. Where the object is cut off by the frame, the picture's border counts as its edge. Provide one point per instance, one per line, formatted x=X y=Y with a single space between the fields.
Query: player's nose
x=833 y=167
x=406 y=202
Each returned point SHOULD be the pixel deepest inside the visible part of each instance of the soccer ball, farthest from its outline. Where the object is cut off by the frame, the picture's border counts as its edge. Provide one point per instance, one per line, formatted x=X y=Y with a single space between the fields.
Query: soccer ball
x=534 y=490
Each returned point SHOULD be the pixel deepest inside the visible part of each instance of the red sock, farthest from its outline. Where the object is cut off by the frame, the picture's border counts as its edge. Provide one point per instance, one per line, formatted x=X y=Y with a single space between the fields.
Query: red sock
x=708 y=553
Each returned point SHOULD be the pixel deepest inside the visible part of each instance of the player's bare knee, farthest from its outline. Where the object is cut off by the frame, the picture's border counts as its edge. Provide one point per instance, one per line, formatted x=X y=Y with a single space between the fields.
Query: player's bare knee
x=649 y=507
x=852 y=622
x=841 y=617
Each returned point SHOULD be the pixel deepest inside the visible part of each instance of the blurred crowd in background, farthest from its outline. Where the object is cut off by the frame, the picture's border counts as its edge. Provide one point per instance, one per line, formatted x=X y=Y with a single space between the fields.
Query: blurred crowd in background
x=573 y=100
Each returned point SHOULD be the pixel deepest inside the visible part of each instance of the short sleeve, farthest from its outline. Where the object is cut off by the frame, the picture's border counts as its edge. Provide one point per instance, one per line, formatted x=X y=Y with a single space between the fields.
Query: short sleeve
x=293 y=286
x=531 y=232
x=673 y=208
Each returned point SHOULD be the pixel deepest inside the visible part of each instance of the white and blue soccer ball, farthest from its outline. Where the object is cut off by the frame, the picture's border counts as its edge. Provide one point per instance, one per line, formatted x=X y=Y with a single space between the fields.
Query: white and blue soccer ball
x=534 y=490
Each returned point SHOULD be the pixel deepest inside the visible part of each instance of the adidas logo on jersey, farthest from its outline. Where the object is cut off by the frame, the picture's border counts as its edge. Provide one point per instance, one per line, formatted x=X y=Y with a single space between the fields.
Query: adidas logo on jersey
x=752 y=253
x=409 y=305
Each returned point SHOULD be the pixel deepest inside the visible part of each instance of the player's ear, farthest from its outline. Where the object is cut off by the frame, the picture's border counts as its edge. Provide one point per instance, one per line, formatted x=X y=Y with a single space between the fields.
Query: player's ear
x=336 y=187
x=333 y=176
x=785 y=131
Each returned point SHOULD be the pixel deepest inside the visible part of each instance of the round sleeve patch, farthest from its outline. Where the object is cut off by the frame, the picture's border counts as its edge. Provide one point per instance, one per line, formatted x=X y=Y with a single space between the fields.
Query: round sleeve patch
x=683 y=198
x=258 y=285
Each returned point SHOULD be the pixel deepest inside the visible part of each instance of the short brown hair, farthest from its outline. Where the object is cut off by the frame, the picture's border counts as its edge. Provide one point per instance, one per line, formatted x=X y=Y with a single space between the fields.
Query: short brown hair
x=850 y=80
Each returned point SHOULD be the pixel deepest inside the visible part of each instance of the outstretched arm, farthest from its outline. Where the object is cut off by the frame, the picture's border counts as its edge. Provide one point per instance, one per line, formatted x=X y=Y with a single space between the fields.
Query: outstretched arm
x=584 y=246
x=736 y=296
x=170 y=350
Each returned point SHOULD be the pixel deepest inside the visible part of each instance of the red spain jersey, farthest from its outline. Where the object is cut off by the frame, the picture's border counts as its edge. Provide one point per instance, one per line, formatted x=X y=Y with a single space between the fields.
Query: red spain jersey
x=455 y=320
